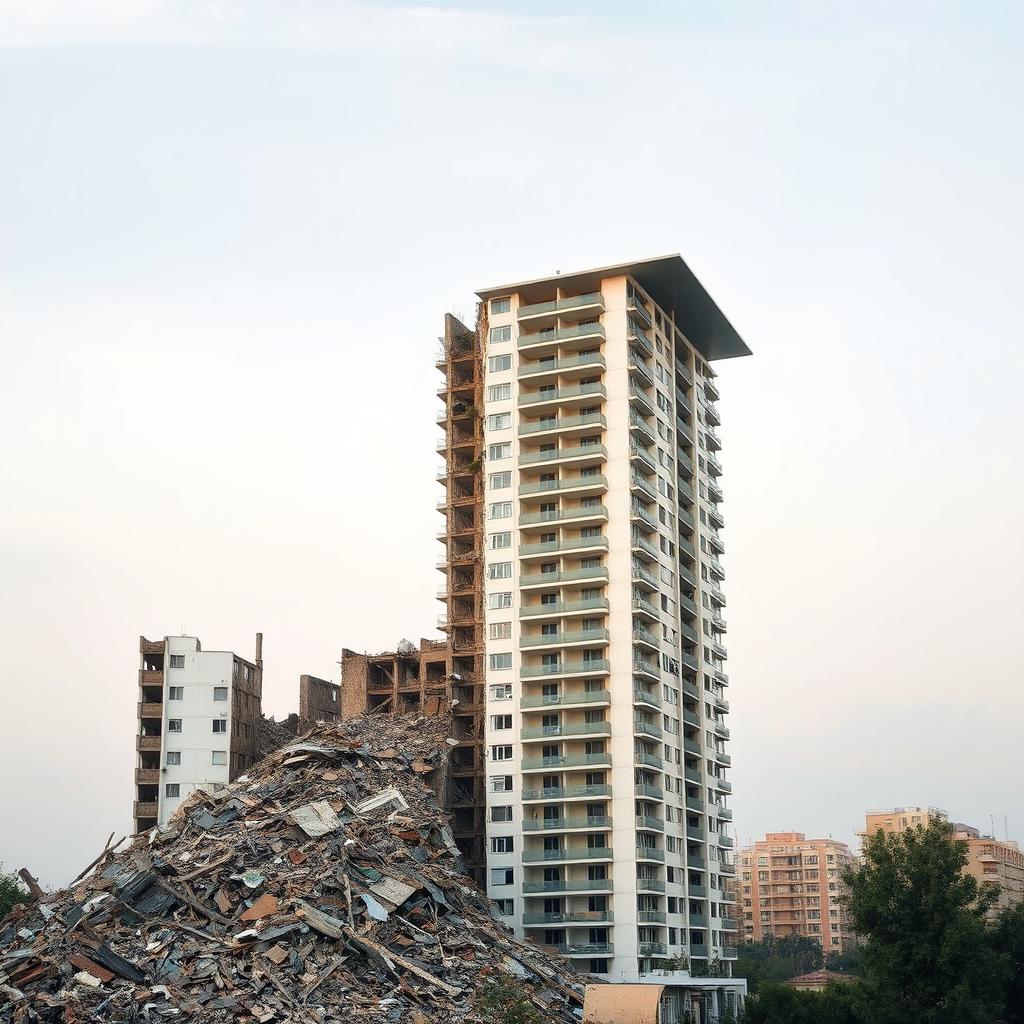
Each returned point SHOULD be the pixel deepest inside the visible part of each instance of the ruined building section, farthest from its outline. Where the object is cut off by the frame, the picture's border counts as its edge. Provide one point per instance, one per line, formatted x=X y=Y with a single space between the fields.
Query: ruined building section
x=462 y=446
x=199 y=718
x=318 y=700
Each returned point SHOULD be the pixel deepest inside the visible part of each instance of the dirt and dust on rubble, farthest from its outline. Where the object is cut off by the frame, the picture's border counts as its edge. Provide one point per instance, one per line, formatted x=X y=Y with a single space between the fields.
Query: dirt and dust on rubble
x=323 y=884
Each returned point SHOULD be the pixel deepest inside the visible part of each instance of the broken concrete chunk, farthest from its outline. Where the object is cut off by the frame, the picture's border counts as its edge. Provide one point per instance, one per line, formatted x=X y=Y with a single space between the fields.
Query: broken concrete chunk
x=389 y=797
x=316 y=819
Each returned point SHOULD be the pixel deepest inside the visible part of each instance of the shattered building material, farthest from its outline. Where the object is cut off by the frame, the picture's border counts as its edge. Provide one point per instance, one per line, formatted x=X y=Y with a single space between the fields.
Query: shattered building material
x=198 y=722
x=323 y=883
x=434 y=679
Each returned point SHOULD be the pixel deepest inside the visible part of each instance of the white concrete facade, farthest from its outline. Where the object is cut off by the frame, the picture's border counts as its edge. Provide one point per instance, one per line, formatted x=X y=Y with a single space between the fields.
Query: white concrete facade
x=606 y=789
x=192 y=755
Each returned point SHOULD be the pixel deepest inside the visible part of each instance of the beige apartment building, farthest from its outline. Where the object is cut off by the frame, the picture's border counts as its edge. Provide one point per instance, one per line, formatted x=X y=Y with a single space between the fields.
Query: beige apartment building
x=792 y=885
x=583 y=511
x=996 y=862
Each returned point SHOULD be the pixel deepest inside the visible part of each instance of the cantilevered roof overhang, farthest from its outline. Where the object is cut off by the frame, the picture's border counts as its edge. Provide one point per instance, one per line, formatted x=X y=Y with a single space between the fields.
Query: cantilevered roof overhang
x=672 y=285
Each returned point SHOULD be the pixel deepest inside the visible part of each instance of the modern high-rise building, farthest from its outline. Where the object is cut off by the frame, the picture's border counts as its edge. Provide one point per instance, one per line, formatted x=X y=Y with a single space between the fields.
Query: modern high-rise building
x=900 y=819
x=791 y=885
x=585 y=592
x=198 y=716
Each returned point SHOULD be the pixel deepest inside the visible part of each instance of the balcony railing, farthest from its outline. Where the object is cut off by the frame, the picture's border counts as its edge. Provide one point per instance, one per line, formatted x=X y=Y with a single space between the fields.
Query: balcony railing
x=530 y=611
x=598 y=572
x=563 y=515
x=576 y=451
x=565 y=484
x=571 y=917
x=568 y=761
x=567 y=792
x=559 y=700
x=571 y=885
x=558 y=334
x=564 y=824
x=654 y=792
x=550 y=546
x=568 y=853
x=527 y=369
x=561 y=305
x=649 y=853
x=563 y=394
x=567 y=730
x=588 y=419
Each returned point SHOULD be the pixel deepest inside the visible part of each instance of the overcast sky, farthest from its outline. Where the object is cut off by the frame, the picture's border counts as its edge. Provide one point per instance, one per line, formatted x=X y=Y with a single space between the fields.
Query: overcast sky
x=229 y=230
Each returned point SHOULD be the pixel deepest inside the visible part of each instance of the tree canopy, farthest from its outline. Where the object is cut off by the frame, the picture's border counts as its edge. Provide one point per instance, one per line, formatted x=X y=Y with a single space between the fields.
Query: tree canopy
x=12 y=892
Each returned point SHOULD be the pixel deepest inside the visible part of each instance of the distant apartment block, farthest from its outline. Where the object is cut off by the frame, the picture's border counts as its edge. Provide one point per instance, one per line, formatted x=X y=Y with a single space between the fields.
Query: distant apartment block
x=198 y=716
x=792 y=885
x=995 y=862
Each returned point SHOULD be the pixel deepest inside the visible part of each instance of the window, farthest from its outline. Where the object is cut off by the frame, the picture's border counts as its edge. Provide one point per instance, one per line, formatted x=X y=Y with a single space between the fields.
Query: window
x=177 y=661
x=499 y=451
x=499 y=421
x=502 y=812
x=502 y=305
x=173 y=757
x=499 y=571
x=503 y=600
x=506 y=907
x=501 y=752
x=172 y=789
x=174 y=725
x=501 y=783
x=498 y=363
x=175 y=692
x=499 y=630
x=220 y=725
x=501 y=509
x=220 y=693
x=496 y=662
x=502 y=844
x=496 y=481
x=218 y=757
x=501 y=721
x=501 y=334
x=499 y=392
x=502 y=876
x=501 y=691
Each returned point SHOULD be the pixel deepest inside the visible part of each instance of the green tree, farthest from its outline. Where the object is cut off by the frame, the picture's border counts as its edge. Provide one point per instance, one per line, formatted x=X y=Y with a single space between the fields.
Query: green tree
x=927 y=955
x=780 y=1004
x=777 y=958
x=12 y=892
x=503 y=1002
x=1008 y=939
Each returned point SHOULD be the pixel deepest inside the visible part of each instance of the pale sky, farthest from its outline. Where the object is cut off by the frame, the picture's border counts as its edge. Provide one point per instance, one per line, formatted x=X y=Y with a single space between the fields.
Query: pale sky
x=229 y=230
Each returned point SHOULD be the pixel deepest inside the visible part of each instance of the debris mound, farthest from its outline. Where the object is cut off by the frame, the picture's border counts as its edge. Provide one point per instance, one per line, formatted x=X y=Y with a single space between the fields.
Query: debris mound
x=323 y=885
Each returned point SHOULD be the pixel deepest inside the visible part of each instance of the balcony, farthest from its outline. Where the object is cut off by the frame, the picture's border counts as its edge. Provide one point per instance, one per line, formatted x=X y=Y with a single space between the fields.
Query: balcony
x=557 y=609
x=724 y=813
x=565 y=824
x=721 y=757
x=147 y=776
x=695 y=803
x=560 y=335
x=591 y=917
x=639 y=338
x=549 y=547
x=642 y=696
x=643 y=455
x=722 y=785
x=651 y=823
x=729 y=924
x=565 y=639
x=649 y=853
x=654 y=792
x=586 y=949
x=644 y=728
x=651 y=916
x=584 y=515
x=645 y=638
x=588 y=698
x=552 y=367
x=725 y=842
x=594 y=482
x=551 y=579
x=730 y=953
x=636 y=306
x=642 y=576
x=151 y=709
x=646 y=670
x=650 y=760
x=640 y=543
x=144 y=809
x=641 y=426
x=641 y=399
x=638 y=484
x=566 y=730
x=566 y=793
x=637 y=511
x=564 y=424
x=561 y=396
x=570 y=885
x=650 y=885
x=643 y=607
x=540 y=764
x=569 y=453
x=692 y=747
x=569 y=853
x=148 y=743
x=594 y=667
x=641 y=368
x=696 y=833
x=590 y=302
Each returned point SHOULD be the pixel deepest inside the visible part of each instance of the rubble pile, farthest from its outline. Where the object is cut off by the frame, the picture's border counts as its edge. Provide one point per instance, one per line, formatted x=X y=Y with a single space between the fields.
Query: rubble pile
x=324 y=884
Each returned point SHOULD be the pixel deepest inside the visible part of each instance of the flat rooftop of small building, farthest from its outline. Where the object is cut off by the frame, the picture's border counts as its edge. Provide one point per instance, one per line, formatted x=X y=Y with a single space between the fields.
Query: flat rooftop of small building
x=672 y=285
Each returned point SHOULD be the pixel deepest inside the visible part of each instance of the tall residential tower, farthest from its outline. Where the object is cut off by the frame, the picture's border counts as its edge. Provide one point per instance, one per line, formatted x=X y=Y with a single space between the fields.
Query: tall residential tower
x=602 y=611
